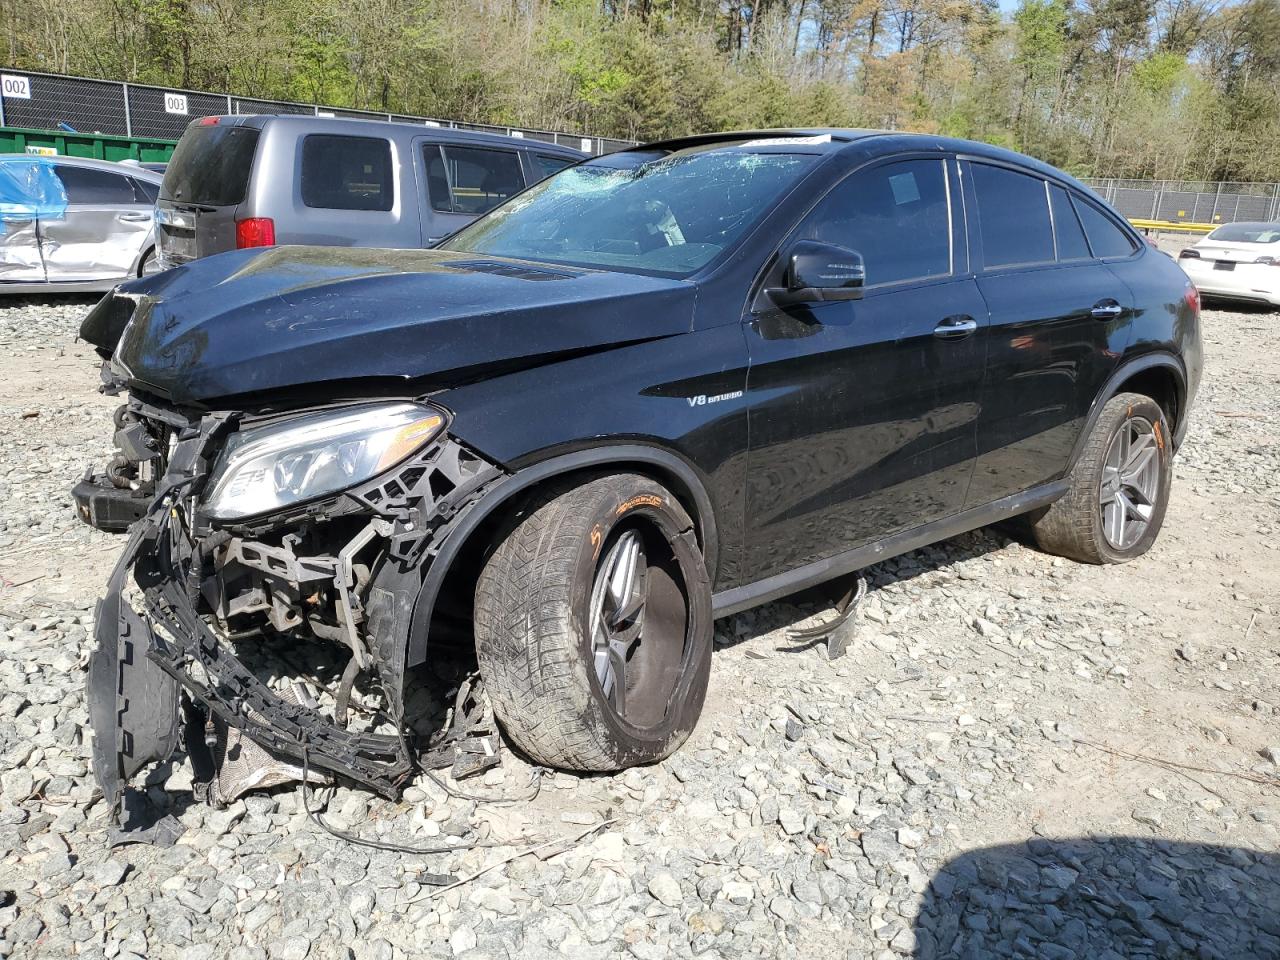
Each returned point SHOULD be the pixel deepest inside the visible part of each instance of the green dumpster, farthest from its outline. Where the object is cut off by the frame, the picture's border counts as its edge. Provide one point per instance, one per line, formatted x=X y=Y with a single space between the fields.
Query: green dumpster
x=98 y=145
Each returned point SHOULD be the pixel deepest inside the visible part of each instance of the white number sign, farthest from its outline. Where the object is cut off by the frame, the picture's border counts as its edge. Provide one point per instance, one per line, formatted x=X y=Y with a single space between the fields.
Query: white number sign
x=586 y=144
x=175 y=103
x=15 y=86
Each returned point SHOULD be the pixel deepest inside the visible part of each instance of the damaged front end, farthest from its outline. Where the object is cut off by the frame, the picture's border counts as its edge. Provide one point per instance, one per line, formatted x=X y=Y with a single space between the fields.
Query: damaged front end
x=249 y=543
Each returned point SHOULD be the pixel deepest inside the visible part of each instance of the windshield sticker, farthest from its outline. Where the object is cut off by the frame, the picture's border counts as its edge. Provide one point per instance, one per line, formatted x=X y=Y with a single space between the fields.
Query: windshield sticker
x=904 y=187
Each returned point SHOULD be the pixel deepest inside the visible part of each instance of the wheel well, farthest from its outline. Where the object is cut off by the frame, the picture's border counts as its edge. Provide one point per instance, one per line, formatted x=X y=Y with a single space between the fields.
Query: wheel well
x=1161 y=385
x=451 y=617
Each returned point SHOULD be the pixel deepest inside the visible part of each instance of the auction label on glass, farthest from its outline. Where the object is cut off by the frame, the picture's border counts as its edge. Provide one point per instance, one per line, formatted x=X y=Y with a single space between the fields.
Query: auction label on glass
x=15 y=86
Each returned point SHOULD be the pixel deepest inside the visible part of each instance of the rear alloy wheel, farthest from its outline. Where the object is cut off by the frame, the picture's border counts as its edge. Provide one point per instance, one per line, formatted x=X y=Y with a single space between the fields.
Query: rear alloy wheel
x=593 y=625
x=1119 y=488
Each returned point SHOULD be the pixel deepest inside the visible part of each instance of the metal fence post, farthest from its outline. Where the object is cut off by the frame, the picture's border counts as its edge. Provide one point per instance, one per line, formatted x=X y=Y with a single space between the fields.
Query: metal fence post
x=228 y=104
x=1214 y=212
x=2 y=111
x=1274 y=212
x=128 y=119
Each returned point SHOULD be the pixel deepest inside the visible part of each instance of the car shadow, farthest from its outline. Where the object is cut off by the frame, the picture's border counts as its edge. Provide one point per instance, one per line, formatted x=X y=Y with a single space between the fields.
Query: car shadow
x=1102 y=898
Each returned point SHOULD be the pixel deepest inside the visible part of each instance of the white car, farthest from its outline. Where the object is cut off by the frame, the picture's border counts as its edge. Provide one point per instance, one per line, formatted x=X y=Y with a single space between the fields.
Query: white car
x=1237 y=261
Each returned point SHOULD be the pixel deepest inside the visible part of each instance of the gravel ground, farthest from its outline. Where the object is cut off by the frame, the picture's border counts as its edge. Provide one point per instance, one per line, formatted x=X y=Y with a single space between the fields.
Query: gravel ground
x=983 y=775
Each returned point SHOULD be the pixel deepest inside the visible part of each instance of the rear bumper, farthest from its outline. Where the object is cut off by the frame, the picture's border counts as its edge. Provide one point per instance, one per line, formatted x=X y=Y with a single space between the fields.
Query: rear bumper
x=1256 y=283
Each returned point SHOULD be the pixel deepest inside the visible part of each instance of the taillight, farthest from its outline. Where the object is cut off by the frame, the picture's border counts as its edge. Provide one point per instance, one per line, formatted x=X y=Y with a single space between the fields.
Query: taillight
x=255 y=232
x=1189 y=254
x=206 y=122
x=1192 y=297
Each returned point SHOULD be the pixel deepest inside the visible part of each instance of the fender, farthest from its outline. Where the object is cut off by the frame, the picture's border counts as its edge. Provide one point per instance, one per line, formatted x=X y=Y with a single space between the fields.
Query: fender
x=504 y=490
x=1127 y=369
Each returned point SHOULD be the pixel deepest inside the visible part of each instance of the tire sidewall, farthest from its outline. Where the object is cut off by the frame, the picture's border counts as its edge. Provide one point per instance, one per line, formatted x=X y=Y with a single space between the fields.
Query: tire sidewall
x=648 y=503
x=1135 y=405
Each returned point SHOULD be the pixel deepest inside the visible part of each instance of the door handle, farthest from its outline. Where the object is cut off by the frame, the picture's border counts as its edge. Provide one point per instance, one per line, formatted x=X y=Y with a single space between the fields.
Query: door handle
x=955 y=328
x=135 y=217
x=1106 y=310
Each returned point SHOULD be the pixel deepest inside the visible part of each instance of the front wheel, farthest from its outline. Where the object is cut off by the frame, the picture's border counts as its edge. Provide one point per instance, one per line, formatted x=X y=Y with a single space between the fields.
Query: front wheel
x=593 y=625
x=1119 y=488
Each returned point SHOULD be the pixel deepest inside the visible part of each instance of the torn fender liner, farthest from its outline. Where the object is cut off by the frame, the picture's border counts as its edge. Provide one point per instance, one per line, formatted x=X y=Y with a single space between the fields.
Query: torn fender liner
x=133 y=704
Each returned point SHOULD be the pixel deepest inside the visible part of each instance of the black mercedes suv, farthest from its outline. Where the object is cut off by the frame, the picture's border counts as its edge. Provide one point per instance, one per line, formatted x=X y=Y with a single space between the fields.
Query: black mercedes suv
x=655 y=389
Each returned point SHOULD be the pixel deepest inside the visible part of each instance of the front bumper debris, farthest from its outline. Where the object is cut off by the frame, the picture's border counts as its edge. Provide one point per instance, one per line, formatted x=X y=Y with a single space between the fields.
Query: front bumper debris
x=175 y=645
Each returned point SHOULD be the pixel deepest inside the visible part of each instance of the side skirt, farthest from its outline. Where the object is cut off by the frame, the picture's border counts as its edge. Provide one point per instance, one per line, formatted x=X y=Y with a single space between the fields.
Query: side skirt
x=728 y=602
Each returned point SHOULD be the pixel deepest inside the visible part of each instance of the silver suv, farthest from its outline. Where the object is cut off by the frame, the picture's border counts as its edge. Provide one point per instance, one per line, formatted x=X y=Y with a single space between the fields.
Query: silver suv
x=254 y=181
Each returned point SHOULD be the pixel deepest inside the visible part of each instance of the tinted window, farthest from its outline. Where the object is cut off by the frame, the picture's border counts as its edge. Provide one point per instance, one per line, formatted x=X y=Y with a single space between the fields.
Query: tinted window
x=84 y=185
x=1247 y=233
x=649 y=211
x=146 y=191
x=211 y=166
x=1066 y=227
x=894 y=215
x=471 y=180
x=1105 y=236
x=1013 y=217
x=545 y=166
x=347 y=173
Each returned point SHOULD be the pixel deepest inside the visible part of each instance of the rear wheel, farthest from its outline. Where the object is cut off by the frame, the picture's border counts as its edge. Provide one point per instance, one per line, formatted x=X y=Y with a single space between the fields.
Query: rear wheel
x=1119 y=489
x=593 y=625
x=149 y=264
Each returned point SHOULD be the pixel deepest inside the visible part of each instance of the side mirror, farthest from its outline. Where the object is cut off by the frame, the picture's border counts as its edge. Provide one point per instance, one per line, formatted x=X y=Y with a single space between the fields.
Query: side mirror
x=818 y=272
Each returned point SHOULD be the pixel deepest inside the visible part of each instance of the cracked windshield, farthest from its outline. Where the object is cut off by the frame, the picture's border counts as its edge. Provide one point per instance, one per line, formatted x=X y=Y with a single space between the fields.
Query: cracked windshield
x=668 y=214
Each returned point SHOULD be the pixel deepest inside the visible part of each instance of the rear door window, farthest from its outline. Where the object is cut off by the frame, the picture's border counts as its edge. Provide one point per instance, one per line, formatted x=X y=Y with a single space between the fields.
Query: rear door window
x=145 y=191
x=471 y=180
x=895 y=215
x=1013 y=217
x=347 y=173
x=1066 y=227
x=86 y=185
x=1105 y=236
x=211 y=166
x=545 y=165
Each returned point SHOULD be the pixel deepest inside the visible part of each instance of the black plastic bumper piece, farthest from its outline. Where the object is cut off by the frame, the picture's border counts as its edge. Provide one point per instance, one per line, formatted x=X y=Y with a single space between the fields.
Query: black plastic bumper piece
x=105 y=506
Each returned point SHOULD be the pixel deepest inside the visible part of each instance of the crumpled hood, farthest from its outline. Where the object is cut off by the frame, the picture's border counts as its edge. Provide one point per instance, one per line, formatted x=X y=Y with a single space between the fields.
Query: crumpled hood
x=261 y=321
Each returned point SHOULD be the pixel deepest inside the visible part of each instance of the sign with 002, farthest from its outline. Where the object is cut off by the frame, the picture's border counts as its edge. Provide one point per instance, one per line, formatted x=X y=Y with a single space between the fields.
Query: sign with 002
x=13 y=85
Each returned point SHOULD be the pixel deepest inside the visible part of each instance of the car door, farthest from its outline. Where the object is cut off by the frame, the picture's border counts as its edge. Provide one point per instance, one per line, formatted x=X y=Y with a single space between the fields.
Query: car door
x=1060 y=320
x=461 y=182
x=101 y=235
x=28 y=192
x=861 y=413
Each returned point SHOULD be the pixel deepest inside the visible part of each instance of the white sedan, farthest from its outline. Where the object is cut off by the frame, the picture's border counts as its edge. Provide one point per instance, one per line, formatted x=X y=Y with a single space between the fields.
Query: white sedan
x=1237 y=261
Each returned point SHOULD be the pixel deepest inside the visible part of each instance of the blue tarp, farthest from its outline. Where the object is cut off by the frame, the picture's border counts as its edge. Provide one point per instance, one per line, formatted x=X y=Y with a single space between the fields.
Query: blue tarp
x=30 y=189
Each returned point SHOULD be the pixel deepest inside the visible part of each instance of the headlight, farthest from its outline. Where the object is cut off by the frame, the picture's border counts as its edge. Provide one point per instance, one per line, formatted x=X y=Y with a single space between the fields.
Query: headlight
x=267 y=468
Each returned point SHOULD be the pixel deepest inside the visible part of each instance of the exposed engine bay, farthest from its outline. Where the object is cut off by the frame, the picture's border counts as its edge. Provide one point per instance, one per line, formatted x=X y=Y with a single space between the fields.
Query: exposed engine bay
x=195 y=595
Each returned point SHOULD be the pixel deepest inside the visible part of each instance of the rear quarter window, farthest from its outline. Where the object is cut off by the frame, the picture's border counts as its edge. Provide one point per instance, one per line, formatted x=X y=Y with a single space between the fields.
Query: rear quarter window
x=211 y=166
x=1105 y=236
x=347 y=173
x=1013 y=217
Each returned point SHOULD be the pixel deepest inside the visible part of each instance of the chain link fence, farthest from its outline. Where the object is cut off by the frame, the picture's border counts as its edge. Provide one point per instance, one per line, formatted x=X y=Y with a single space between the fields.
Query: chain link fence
x=1189 y=201
x=50 y=101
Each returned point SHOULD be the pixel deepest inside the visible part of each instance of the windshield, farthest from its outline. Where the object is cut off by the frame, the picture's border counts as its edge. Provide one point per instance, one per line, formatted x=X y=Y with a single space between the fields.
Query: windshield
x=651 y=212
x=1247 y=233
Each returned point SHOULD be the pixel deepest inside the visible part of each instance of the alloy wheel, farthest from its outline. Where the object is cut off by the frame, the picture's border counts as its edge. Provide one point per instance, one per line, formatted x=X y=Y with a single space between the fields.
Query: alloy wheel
x=1130 y=483
x=637 y=631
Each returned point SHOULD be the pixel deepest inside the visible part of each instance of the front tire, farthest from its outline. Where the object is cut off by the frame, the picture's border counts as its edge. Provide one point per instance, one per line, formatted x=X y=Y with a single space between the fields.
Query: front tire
x=1119 y=489
x=593 y=625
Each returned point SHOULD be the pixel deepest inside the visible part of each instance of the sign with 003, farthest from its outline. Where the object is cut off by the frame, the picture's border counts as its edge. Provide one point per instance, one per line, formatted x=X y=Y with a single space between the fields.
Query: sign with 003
x=175 y=103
